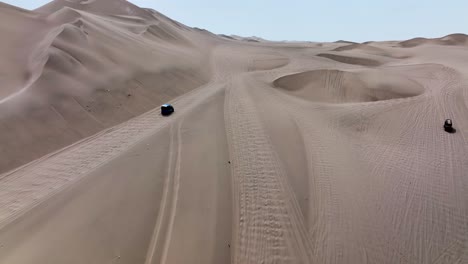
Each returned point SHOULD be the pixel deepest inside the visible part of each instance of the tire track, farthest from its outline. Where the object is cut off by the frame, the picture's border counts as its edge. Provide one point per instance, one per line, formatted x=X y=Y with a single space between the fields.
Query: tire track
x=270 y=225
x=175 y=194
x=420 y=204
x=166 y=206
x=26 y=187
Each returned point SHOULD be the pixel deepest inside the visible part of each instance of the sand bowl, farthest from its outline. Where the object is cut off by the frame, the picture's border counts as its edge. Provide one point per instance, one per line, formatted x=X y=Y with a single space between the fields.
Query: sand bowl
x=335 y=86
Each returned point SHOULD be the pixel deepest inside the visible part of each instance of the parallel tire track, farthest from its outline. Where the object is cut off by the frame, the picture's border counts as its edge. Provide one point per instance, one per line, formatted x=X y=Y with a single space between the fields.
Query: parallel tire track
x=159 y=238
x=25 y=188
x=270 y=226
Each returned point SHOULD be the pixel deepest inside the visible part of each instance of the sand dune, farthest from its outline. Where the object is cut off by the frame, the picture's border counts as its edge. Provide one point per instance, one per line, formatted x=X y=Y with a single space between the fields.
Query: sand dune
x=88 y=72
x=358 y=46
x=350 y=59
x=268 y=62
x=368 y=49
x=334 y=86
x=450 y=40
x=119 y=7
x=278 y=152
x=372 y=50
x=345 y=42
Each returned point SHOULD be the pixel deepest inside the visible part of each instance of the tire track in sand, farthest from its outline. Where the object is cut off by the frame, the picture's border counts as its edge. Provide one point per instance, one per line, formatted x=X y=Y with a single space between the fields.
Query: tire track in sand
x=159 y=245
x=418 y=201
x=270 y=226
x=23 y=189
x=175 y=194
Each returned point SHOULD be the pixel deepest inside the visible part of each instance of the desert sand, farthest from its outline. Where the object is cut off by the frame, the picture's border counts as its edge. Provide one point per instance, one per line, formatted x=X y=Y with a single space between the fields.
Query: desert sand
x=277 y=152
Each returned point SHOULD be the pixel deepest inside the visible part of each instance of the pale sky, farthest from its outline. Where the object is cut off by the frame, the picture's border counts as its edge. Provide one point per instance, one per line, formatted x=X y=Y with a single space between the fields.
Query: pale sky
x=312 y=20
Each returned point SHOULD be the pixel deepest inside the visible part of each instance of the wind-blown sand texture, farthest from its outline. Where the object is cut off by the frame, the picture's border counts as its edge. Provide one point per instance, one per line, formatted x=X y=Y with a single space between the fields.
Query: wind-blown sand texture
x=276 y=153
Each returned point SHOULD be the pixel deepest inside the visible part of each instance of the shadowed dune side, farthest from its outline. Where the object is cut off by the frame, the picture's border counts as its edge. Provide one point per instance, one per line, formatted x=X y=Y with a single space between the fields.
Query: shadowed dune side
x=414 y=42
x=455 y=39
x=350 y=59
x=368 y=49
x=358 y=46
x=345 y=42
x=226 y=36
x=81 y=72
x=335 y=86
x=16 y=45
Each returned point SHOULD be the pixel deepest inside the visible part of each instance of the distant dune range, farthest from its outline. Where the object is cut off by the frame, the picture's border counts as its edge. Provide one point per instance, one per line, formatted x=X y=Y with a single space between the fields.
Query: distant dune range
x=278 y=152
x=450 y=40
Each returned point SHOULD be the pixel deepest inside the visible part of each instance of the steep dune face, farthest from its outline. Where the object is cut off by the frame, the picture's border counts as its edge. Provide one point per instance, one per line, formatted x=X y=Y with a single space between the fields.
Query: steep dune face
x=87 y=65
x=16 y=46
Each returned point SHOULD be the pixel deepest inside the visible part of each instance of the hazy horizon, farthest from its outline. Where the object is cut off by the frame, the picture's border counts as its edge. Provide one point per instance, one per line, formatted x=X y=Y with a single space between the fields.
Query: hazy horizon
x=359 y=21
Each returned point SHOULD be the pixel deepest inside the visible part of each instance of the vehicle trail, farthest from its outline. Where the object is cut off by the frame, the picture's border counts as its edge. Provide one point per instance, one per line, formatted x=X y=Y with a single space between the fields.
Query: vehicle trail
x=161 y=223
x=175 y=193
x=270 y=225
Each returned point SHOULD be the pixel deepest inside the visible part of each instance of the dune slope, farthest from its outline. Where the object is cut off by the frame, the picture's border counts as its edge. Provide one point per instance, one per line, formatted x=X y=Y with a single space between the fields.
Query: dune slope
x=83 y=72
